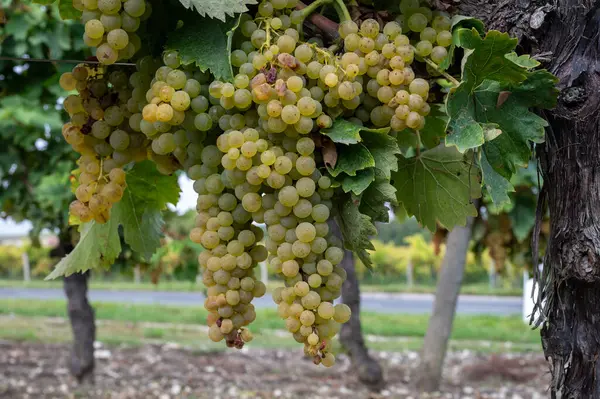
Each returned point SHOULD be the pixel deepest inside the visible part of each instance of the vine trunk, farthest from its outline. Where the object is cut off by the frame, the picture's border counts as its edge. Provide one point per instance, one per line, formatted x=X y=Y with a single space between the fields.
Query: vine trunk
x=564 y=33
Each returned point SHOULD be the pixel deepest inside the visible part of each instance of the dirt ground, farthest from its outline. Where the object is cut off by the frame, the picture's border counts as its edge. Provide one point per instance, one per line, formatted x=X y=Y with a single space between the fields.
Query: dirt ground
x=34 y=370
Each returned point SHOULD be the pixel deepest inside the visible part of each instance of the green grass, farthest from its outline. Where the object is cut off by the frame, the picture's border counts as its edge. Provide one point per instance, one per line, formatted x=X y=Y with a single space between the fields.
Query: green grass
x=57 y=330
x=182 y=286
x=466 y=327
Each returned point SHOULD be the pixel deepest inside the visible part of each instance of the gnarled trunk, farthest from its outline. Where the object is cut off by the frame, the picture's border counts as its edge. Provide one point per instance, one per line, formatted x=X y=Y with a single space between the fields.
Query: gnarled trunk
x=81 y=315
x=566 y=32
x=446 y=296
x=368 y=369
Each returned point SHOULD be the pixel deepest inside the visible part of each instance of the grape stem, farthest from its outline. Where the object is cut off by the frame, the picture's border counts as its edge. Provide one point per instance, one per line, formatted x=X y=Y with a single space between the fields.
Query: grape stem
x=342 y=10
x=444 y=73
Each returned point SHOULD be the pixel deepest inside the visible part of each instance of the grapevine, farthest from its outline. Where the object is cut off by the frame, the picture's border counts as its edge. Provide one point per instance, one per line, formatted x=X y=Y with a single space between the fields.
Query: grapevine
x=289 y=131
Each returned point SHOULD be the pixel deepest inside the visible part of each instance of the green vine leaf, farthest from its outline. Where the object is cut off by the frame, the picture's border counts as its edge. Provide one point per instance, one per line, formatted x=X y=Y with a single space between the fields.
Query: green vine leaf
x=218 y=9
x=384 y=149
x=346 y=132
x=97 y=248
x=139 y=212
x=212 y=52
x=435 y=126
x=438 y=186
x=351 y=159
x=375 y=199
x=357 y=228
x=460 y=22
x=492 y=71
x=496 y=185
x=359 y=183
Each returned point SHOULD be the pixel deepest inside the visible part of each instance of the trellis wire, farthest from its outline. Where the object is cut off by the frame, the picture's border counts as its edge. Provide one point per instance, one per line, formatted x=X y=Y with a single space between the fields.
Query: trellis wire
x=49 y=60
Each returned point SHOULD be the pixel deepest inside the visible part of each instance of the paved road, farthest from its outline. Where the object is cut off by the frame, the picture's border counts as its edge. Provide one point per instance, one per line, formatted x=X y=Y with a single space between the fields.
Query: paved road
x=384 y=303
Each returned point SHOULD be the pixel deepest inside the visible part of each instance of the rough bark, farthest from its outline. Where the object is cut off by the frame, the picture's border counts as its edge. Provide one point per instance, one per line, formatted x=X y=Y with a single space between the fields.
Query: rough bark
x=368 y=369
x=81 y=315
x=444 y=307
x=566 y=33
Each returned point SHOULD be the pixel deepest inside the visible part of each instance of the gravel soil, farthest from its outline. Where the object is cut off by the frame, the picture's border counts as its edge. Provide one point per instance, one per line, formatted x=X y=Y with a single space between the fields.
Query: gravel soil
x=168 y=371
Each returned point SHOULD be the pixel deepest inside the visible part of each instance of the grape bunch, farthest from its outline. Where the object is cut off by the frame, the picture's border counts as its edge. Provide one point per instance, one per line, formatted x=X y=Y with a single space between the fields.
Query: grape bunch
x=175 y=115
x=232 y=250
x=100 y=132
x=110 y=26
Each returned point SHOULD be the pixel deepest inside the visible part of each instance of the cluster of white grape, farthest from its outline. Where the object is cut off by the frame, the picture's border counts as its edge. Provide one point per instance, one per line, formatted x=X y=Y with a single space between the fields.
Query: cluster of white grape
x=99 y=131
x=176 y=115
x=224 y=228
x=110 y=26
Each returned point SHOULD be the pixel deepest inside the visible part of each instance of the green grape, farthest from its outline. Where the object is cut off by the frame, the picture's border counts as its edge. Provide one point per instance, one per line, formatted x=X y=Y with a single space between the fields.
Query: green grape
x=303 y=53
x=342 y=313
x=369 y=28
x=351 y=42
x=290 y=114
x=295 y=84
x=203 y=122
x=438 y=54
x=417 y=22
x=444 y=38
x=176 y=79
x=420 y=87
x=238 y=57
x=441 y=23
x=135 y=8
x=109 y=6
x=106 y=54
x=413 y=120
x=94 y=29
x=392 y=29
x=320 y=213
x=428 y=34
x=286 y=43
x=423 y=48
x=288 y=196
x=347 y=27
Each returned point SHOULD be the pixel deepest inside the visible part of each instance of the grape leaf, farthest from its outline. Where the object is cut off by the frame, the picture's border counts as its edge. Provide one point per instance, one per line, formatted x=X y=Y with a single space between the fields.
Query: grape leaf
x=44 y=2
x=464 y=132
x=435 y=126
x=459 y=21
x=139 y=212
x=357 y=228
x=359 y=183
x=524 y=60
x=384 y=149
x=98 y=247
x=487 y=58
x=496 y=185
x=67 y=11
x=346 y=132
x=218 y=9
x=519 y=125
x=351 y=159
x=490 y=65
x=212 y=52
x=438 y=185
x=374 y=199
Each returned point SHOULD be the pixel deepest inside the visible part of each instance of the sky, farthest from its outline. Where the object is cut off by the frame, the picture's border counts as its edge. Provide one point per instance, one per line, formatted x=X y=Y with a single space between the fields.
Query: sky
x=187 y=201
